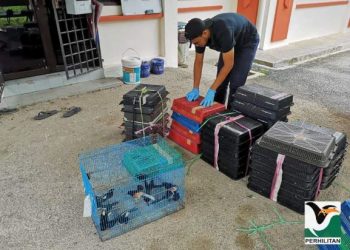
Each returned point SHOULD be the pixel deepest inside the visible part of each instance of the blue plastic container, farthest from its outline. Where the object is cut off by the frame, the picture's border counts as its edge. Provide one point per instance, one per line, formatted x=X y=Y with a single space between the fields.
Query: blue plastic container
x=345 y=216
x=188 y=123
x=345 y=223
x=157 y=66
x=145 y=69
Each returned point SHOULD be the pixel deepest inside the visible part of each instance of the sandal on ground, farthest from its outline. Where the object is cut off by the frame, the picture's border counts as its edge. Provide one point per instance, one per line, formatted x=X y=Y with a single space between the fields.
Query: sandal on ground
x=71 y=111
x=45 y=114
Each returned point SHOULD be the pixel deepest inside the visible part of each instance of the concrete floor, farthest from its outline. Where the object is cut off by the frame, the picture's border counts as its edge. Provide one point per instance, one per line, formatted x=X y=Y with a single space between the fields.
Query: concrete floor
x=41 y=204
x=303 y=51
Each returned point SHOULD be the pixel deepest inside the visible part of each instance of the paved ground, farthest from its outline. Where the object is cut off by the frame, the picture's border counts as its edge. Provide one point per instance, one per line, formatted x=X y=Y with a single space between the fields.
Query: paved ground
x=41 y=201
x=304 y=50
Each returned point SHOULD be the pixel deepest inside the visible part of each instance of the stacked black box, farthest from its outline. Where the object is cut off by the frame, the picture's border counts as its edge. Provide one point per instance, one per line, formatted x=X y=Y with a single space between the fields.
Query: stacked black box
x=332 y=170
x=145 y=111
x=234 y=140
x=303 y=155
x=263 y=104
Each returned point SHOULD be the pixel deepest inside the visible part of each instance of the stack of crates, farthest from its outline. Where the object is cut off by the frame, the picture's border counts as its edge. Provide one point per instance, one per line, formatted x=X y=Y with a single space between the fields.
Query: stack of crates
x=263 y=104
x=234 y=140
x=288 y=162
x=145 y=111
x=187 y=119
x=132 y=184
x=335 y=164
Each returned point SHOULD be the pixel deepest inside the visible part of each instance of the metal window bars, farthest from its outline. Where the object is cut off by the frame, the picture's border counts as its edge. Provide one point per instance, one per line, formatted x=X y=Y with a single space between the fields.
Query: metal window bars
x=80 y=51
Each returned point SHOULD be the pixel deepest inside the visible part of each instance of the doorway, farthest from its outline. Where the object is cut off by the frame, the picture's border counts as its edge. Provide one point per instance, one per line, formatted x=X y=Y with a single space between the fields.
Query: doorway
x=38 y=37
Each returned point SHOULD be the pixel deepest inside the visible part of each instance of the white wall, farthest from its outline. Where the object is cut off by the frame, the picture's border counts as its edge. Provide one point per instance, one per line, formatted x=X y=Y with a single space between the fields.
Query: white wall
x=266 y=17
x=228 y=6
x=304 y=24
x=141 y=35
x=111 y=10
x=318 y=21
x=158 y=37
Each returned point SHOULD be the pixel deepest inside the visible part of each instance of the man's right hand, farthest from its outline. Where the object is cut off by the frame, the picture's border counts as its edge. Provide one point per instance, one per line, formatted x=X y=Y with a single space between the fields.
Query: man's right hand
x=192 y=95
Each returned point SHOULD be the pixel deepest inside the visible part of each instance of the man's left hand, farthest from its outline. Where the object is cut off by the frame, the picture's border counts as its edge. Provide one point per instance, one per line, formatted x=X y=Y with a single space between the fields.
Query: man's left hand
x=209 y=98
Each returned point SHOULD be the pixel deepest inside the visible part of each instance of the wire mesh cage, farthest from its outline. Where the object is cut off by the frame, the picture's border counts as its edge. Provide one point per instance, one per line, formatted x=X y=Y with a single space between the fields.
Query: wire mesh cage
x=309 y=146
x=132 y=184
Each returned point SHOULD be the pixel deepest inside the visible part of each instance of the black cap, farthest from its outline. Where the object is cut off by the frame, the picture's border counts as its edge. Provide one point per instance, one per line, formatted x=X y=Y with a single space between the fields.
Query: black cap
x=194 y=28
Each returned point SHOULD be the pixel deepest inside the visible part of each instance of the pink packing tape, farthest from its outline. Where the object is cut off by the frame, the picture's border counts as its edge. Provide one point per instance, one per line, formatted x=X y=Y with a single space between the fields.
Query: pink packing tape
x=216 y=137
x=319 y=183
x=250 y=141
x=277 y=179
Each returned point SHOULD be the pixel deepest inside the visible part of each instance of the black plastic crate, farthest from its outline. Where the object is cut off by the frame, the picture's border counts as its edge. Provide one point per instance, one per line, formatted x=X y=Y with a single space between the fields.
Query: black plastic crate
x=133 y=123
x=131 y=127
x=300 y=143
x=336 y=161
x=225 y=143
x=304 y=189
x=328 y=183
x=225 y=156
x=232 y=130
x=264 y=97
x=145 y=110
x=257 y=112
x=234 y=141
x=340 y=142
x=334 y=174
x=300 y=168
x=145 y=94
x=293 y=204
x=329 y=178
x=268 y=124
x=340 y=138
x=228 y=158
x=283 y=191
x=285 y=198
x=288 y=174
x=234 y=169
x=145 y=117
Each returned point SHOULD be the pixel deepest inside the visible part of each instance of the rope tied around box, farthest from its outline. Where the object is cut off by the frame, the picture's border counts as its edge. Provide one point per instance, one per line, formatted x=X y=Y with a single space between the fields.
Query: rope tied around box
x=153 y=124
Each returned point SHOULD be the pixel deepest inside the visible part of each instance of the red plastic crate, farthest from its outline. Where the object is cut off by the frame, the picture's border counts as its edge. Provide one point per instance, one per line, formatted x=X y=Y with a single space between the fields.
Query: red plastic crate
x=195 y=137
x=194 y=111
x=184 y=142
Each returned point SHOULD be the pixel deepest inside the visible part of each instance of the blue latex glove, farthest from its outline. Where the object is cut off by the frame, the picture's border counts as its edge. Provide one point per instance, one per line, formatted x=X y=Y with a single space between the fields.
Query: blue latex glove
x=209 y=98
x=192 y=95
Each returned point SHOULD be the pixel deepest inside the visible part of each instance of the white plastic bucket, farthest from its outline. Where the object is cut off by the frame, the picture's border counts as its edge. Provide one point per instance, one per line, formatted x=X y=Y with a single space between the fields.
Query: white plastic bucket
x=131 y=68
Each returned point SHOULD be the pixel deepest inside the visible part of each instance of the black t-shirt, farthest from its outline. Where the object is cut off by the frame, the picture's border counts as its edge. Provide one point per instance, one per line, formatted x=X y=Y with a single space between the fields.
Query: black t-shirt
x=228 y=31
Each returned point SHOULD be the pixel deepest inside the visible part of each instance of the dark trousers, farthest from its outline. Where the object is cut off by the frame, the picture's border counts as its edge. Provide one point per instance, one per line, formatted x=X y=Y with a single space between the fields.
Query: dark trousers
x=237 y=77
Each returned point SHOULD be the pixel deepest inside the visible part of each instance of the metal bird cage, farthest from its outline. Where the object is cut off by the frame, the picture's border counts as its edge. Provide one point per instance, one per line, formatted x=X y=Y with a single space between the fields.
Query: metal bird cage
x=132 y=184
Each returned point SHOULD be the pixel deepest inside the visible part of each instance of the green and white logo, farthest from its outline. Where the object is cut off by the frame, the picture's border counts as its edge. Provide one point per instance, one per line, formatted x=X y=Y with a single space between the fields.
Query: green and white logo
x=322 y=223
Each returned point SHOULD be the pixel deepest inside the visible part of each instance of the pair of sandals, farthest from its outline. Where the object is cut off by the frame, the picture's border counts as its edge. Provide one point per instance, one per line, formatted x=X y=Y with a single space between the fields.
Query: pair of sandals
x=45 y=114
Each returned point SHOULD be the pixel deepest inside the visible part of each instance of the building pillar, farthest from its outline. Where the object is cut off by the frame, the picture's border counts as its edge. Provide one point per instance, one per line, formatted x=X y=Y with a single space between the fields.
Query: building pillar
x=168 y=36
